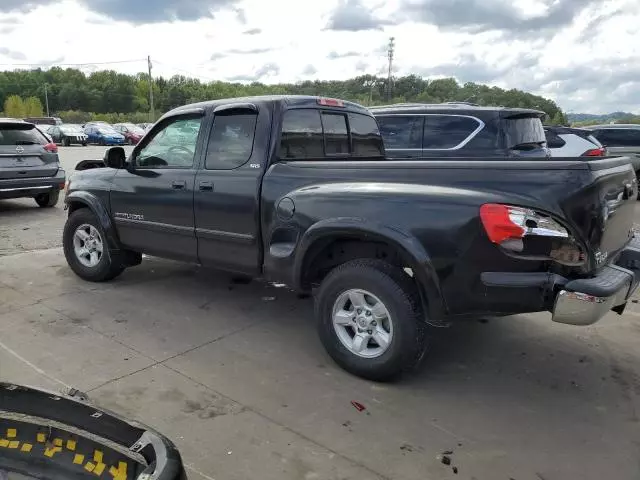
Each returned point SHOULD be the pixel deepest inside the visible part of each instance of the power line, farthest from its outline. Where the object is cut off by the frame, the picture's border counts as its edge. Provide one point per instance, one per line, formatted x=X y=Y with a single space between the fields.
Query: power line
x=49 y=65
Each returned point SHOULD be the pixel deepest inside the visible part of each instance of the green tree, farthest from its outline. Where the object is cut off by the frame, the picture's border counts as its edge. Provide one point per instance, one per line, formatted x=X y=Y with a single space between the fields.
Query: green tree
x=14 y=107
x=33 y=107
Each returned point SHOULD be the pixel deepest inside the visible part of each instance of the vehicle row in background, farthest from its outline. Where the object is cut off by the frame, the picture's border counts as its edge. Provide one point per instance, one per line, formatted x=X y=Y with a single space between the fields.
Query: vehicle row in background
x=573 y=142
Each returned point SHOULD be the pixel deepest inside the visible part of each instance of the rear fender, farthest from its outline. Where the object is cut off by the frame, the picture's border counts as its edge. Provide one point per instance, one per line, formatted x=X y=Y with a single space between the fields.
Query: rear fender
x=409 y=247
x=84 y=199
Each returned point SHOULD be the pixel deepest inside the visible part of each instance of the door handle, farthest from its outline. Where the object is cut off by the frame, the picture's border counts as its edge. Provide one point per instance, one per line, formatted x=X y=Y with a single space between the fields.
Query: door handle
x=178 y=185
x=206 y=186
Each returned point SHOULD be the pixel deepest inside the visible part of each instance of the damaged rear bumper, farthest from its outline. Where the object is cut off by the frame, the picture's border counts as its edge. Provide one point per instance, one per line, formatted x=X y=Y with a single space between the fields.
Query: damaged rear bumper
x=585 y=301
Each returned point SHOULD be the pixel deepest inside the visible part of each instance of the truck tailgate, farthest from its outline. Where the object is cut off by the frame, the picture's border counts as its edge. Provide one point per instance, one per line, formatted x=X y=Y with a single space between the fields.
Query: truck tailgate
x=603 y=211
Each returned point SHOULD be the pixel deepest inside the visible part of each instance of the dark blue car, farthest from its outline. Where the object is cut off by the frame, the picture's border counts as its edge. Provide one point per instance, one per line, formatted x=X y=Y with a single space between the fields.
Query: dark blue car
x=103 y=135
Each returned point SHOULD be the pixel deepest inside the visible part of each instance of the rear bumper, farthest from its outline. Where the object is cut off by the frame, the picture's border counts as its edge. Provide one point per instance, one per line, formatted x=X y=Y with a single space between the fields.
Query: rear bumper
x=585 y=301
x=30 y=187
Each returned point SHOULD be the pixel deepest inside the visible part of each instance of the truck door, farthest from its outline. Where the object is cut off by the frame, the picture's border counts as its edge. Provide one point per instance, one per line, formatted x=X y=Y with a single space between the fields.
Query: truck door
x=227 y=188
x=152 y=200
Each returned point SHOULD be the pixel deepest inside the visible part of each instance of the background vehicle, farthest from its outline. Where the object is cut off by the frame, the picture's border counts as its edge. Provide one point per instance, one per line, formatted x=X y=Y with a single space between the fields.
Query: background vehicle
x=103 y=135
x=132 y=133
x=572 y=142
x=29 y=164
x=296 y=189
x=44 y=120
x=620 y=139
x=460 y=130
x=68 y=134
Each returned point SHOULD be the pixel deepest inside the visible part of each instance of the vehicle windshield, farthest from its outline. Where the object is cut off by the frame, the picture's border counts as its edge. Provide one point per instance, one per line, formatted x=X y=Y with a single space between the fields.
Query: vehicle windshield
x=524 y=131
x=21 y=134
x=107 y=131
x=71 y=129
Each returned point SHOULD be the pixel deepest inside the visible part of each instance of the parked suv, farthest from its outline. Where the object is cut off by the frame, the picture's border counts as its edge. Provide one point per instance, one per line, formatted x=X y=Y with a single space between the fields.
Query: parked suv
x=573 y=142
x=620 y=139
x=460 y=130
x=29 y=164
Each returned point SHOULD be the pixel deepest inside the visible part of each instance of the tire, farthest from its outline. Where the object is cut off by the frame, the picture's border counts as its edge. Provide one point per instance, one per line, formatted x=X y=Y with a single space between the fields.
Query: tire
x=48 y=200
x=84 y=144
x=109 y=265
x=400 y=298
x=66 y=142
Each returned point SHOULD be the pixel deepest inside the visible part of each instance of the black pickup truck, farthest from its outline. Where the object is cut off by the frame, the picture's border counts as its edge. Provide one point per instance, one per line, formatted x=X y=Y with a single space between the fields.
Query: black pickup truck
x=297 y=190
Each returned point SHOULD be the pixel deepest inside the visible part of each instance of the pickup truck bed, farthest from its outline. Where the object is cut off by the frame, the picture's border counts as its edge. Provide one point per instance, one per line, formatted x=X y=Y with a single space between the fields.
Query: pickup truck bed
x=297 y=189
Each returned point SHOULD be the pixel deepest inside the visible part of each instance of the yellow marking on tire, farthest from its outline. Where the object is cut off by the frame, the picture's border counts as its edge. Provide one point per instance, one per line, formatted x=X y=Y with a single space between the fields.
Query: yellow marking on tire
x=97 y=456
x=26 y=447
x=41 y=437
x=50 y=452
x=90 y=467
x=122 y=467
x=57 y=442
x=99 y=468
x=4 y=443
x=78 y=459
x=71 y=445
x=14 y=444
x=114 y=472
x=12 y=433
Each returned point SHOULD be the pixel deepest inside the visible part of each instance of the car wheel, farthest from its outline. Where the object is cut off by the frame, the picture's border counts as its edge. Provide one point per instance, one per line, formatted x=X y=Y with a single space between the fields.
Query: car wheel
x=370 y=319
x=48 y=200
x=84 y=144
x=66 y=142
x=86 y=249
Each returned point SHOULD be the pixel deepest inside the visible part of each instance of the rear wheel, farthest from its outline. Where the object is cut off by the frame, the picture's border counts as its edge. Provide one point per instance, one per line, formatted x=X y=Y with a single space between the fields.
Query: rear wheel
x=369 y=319
x=48 y=200
x=86 y=249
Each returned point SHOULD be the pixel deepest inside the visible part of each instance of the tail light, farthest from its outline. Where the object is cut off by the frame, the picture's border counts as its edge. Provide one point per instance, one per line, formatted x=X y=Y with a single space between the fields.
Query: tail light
x=595 y=152
x=529 y=234
x=330 y=102
x=51 y=148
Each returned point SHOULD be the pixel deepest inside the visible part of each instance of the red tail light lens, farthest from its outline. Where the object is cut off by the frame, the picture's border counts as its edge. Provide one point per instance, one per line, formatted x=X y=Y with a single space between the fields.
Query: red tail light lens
x=51 y=148
x=595 y=152
x=498 y=223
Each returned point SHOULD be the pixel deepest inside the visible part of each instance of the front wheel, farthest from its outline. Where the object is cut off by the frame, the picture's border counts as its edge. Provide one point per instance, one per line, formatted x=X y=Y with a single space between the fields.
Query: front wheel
x=369 y=319
x=86 y=249
x=48 y=200
x=66 y=142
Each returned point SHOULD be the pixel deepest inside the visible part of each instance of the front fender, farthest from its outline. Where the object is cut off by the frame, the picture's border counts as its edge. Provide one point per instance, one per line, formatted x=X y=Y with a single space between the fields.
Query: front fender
x=89 y=200
x=359 y=228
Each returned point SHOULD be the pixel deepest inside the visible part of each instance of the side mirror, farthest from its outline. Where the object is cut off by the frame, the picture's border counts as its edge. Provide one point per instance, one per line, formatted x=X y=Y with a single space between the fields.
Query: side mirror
x=115 y=157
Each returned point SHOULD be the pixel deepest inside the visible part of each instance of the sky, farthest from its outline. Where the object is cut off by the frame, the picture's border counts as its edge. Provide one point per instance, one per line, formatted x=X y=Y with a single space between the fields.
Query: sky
x=584 y=54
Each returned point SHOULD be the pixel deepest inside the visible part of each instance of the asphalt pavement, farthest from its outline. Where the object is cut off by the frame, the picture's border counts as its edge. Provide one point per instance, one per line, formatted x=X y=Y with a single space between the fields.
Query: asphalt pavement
x=235 y=375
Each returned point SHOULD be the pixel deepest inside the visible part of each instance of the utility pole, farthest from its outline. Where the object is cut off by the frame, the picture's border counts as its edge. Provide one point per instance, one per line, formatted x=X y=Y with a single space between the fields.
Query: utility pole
x=391 y=51
x=153 y=113
x=46 y=98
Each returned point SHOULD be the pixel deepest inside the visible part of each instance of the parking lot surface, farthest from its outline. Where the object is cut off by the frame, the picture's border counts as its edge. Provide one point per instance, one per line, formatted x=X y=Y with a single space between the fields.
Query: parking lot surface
x=233 y=372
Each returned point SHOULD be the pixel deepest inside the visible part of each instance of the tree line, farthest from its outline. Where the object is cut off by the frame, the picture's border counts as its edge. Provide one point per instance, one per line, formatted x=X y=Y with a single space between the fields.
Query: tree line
x=112 y=96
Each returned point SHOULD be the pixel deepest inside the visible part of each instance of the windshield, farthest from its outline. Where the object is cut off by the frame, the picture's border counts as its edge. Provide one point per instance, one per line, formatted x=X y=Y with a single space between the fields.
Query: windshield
x=71 y=129
x=107 y=131
x=524 y=131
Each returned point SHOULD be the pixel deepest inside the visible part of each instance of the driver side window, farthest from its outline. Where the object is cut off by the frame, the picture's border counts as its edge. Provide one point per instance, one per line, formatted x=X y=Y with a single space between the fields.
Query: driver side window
x=173 y=146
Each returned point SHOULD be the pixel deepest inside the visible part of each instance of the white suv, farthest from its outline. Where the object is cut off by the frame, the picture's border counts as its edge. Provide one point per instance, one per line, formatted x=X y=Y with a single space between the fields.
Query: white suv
x=573 y=142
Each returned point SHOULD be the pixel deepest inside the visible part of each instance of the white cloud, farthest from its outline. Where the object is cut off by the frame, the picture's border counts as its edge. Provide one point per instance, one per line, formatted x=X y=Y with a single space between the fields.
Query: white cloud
x=585 y=55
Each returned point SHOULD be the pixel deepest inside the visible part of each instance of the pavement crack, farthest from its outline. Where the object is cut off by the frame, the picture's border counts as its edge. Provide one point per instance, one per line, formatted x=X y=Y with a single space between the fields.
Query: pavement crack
x=266 y=417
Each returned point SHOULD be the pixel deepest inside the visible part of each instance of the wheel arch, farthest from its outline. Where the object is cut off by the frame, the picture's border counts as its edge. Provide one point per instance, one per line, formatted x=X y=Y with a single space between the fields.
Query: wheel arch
x=332 y=242
x=77 y=200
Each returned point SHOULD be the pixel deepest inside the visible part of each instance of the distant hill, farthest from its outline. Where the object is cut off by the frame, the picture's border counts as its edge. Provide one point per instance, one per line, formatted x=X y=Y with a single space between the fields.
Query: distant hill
x=604 y=118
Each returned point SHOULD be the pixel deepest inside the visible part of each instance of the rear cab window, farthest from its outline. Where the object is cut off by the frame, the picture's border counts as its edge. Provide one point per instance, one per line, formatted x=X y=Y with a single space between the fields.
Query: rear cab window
x=311 y=133
x=21 y=134
x=523 y=132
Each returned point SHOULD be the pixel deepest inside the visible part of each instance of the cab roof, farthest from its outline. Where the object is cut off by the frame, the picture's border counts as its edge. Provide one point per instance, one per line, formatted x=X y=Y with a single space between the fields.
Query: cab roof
x=288 y=101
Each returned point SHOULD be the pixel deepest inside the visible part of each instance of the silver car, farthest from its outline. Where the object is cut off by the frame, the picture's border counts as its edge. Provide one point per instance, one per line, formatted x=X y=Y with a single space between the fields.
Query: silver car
x=29 y=164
